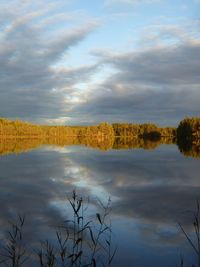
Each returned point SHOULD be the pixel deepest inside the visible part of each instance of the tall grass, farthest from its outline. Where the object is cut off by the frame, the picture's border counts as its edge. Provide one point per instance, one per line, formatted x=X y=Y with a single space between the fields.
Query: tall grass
x=194 y=241
x=80 y=241
x=14 y=252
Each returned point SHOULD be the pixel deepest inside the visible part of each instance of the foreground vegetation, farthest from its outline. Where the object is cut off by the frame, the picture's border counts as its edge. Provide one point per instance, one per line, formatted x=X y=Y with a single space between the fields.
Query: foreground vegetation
x=80 y=241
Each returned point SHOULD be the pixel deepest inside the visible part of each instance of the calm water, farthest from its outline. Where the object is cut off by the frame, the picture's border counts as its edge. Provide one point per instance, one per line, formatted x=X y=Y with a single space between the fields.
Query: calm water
x=151 y=191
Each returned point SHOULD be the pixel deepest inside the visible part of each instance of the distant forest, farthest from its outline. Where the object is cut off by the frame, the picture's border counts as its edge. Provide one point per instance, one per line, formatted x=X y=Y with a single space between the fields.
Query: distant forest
x=17 y=136
x=188 y=128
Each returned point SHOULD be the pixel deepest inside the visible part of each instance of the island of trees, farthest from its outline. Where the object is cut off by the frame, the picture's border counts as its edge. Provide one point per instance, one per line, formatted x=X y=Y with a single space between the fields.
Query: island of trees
x=18 y=136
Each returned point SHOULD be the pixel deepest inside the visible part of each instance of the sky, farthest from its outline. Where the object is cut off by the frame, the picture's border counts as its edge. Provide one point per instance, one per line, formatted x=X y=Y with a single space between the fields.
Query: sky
x=86 y=61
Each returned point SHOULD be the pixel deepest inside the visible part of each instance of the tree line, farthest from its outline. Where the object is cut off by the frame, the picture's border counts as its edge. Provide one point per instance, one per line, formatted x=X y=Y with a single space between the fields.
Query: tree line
x=146 y=130
x=188 y=129
x=18 y=136
x=17 y=128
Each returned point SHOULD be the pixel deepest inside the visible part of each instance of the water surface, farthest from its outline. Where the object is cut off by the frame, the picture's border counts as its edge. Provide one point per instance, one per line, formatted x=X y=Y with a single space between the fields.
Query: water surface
x=151 y=191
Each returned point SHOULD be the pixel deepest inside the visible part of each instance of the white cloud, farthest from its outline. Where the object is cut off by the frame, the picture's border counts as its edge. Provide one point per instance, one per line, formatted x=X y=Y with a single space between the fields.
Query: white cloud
x=129 y=2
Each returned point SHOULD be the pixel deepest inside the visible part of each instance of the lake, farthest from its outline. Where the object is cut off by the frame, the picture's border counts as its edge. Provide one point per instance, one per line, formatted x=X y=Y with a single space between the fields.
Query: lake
x=150 y=190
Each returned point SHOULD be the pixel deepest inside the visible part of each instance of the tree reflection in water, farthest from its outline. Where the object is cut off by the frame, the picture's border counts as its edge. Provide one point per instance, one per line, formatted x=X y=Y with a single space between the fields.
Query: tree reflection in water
x=19 y=145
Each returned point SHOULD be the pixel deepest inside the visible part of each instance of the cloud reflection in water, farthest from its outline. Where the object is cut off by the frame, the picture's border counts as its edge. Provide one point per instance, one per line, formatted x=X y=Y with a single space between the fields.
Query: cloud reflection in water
x=150 y=190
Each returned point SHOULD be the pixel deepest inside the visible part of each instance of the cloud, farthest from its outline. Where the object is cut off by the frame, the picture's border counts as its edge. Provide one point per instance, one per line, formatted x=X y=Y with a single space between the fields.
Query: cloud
x=32 y=83
x=159 y=84
x=157 y=66
x=157 y=81
x=129 y=2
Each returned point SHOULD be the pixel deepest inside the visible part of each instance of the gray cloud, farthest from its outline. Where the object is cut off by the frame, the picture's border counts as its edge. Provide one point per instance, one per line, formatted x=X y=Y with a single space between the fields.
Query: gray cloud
x=31 y=86
x=159 y=84
x=160 y=66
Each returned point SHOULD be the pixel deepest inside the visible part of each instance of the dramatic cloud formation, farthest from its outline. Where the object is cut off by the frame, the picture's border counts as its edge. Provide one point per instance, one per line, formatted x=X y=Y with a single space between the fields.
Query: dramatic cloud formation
x=160 y=82
x=31 y=85
x=56 y=65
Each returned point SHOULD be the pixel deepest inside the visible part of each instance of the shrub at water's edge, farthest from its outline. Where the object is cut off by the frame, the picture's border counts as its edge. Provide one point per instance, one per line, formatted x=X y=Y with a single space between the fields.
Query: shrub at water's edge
x=189 y=129
x=188 y=137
